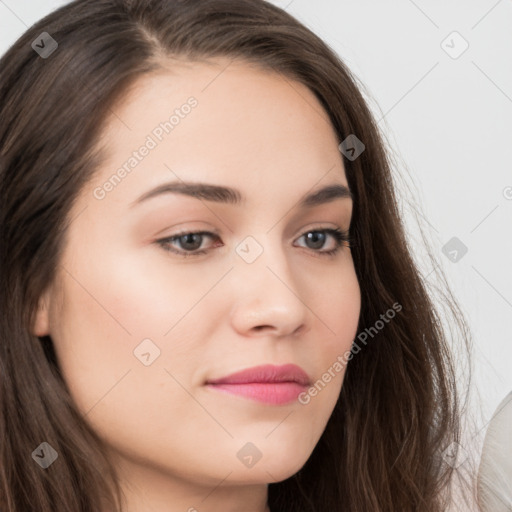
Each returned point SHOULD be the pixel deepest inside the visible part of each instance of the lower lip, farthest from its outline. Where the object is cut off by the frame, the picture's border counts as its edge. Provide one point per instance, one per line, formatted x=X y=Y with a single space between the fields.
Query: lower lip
x=277 y=393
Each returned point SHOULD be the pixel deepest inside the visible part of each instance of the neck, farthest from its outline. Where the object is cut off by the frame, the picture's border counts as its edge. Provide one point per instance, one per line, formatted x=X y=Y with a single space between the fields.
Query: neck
x=145 y=488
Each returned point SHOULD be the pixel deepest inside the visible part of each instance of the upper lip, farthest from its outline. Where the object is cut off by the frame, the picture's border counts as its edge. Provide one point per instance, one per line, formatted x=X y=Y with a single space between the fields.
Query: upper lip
x=266 y=373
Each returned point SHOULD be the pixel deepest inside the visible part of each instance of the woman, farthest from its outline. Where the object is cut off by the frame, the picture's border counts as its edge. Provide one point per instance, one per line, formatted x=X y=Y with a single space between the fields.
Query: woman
x=290 y=358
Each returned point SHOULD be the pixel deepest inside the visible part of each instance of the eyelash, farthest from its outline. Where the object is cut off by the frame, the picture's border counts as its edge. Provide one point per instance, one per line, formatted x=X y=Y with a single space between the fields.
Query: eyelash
x=339 y=235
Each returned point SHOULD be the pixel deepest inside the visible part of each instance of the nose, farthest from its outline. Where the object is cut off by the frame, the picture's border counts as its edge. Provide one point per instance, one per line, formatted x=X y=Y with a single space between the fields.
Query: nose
x=267 y=295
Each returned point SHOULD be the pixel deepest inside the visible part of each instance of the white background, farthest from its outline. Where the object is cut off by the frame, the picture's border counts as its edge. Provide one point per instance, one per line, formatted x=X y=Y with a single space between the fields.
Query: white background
x=449 y=124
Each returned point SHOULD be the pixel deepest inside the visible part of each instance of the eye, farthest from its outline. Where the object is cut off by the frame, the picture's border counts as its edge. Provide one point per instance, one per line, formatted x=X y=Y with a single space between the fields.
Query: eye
x=191 y=241
x=317 y=237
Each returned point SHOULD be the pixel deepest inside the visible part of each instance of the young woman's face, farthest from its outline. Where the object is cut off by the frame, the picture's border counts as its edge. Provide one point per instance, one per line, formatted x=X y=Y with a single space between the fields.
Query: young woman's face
x=139 y=329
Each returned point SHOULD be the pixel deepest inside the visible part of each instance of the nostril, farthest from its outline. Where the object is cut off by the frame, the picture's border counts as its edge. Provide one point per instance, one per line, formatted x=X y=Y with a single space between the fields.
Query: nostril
x=260 y=327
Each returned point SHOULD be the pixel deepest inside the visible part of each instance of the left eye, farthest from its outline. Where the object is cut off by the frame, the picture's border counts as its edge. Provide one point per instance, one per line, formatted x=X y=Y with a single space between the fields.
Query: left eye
x=191 y=241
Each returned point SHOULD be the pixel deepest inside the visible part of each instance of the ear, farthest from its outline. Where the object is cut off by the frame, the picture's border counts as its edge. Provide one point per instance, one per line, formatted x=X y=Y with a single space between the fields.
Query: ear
x=41 y=326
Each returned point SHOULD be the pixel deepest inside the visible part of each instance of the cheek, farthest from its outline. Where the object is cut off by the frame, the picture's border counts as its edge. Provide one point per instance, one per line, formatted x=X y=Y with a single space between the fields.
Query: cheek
x=92 y=344
x=150 y=297
x=112 y=315
x=110 y=384
x=339 y=309
x=337 y=306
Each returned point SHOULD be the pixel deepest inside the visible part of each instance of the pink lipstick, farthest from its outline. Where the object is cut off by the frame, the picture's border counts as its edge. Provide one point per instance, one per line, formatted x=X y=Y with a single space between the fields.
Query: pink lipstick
x=269 y=384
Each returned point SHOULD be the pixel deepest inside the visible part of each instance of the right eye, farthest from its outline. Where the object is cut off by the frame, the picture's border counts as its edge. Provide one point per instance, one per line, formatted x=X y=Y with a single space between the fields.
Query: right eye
x=191 y=239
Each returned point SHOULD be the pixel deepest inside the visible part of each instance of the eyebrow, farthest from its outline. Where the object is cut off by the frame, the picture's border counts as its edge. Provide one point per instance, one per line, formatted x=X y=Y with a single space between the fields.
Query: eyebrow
x=228 y=195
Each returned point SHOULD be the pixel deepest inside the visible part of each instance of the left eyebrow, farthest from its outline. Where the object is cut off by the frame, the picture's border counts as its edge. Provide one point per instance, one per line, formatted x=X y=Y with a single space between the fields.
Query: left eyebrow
x=228 y=195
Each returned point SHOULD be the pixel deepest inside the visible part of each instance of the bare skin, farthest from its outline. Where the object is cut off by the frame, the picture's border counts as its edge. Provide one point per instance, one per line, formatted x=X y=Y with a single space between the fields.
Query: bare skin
x=173 y=439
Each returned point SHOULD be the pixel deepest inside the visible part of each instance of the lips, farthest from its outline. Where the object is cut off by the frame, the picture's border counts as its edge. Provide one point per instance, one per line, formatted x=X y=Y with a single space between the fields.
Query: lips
x=269 y=384
x=266 y=374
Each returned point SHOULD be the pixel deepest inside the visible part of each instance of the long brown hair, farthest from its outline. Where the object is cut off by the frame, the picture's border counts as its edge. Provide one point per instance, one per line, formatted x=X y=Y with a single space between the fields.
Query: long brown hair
x=399 y=407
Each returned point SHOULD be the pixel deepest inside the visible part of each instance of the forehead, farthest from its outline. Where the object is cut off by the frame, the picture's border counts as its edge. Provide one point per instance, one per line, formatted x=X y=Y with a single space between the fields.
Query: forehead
x=247 y=127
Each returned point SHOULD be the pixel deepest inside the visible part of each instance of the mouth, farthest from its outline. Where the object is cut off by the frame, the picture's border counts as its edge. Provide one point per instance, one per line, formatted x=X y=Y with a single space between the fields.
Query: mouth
x=269 y=384
x=276 y=393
